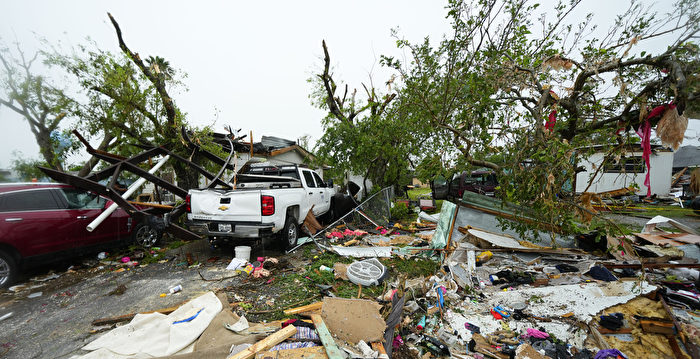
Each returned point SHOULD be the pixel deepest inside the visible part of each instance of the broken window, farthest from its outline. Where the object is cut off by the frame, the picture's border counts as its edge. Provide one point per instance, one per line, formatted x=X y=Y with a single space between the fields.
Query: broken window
x=631 y=164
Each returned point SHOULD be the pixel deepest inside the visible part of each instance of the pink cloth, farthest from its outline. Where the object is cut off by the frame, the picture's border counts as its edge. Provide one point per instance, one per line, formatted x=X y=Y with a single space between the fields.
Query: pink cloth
x=644 y=133
x=536 y=333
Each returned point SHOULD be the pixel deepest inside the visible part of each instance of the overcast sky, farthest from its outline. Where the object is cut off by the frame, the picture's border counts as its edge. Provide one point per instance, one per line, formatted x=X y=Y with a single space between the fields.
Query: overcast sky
x=247 y=61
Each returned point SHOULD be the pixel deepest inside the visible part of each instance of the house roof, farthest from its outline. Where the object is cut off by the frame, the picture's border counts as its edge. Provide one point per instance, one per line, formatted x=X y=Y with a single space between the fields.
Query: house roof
x=687 y=156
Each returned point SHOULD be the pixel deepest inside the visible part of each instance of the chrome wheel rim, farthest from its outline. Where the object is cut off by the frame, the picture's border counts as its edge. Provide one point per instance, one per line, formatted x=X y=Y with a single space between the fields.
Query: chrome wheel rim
x=292 y=234
x=4 y=271
x=146 y=236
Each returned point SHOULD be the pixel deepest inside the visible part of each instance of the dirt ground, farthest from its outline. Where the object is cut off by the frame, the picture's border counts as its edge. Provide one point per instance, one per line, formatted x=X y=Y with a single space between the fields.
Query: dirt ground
x=58 y=323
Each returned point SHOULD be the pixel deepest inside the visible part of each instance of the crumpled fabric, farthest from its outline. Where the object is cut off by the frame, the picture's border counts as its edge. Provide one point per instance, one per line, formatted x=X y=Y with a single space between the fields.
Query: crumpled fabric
x=601 y=273
x=566 y=268
x=613 y=321
x=609 y=353
x=536 y=333
x=644 y=132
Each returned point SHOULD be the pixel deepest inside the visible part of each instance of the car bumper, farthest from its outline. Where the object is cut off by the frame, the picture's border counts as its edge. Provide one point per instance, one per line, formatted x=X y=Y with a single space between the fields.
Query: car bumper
x=238 y=229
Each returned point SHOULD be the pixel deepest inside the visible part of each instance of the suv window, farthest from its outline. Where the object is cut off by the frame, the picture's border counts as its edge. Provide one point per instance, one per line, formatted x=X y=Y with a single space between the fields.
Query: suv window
x=78 y=199
x=32 y=200
x=319 y=181
x=309 y=178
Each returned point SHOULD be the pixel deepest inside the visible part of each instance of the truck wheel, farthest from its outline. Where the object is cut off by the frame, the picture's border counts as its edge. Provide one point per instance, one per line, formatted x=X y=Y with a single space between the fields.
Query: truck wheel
x=8 y=269
x=145 y=235
x=290 y=232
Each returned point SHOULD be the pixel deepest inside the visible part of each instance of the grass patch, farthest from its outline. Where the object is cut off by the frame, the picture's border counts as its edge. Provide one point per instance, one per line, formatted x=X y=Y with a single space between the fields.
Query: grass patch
x=411 y=267
x=414 y=193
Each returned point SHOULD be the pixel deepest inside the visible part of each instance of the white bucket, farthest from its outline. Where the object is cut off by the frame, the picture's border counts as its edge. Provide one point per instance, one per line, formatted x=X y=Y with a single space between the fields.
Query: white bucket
x=243 y=252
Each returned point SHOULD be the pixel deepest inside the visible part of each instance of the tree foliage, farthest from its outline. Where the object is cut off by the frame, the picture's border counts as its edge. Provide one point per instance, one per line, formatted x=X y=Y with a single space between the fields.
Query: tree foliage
x=368 y=135
x=528 y=92
x=42 y=103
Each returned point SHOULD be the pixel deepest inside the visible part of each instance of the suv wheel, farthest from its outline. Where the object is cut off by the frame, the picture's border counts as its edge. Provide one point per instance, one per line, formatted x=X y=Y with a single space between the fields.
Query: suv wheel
x=145 y=235
x=290 y=232
x=8 y=269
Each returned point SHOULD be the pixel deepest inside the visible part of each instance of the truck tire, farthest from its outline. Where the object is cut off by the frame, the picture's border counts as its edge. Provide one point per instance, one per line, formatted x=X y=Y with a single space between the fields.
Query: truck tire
x=8 y=269
x=290 y=232
x=145 y=235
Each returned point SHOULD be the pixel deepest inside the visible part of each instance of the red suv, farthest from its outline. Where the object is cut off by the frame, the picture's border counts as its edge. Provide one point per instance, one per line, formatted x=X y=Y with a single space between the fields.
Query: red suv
x=41 y=222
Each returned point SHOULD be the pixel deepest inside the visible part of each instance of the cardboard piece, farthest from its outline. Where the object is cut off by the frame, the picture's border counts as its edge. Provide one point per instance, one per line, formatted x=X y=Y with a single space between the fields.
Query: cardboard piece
x=353 y=320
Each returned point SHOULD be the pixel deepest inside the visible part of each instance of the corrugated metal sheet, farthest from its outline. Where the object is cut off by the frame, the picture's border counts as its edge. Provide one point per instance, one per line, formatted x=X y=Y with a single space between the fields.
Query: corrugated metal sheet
x=276 y=142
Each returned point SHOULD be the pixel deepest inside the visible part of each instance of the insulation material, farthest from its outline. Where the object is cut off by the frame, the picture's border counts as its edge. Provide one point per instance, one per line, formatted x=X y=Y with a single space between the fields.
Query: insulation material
x=584 y=301
x=643 y=345
x=671 y=128
x=353 y=320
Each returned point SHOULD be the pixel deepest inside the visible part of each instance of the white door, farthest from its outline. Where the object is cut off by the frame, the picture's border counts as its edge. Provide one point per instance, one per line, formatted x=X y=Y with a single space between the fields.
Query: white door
x=325 y=200
x=313 y=194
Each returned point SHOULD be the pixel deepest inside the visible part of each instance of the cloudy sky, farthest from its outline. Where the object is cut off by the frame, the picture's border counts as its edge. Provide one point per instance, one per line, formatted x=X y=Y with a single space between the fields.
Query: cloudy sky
x=247 y=62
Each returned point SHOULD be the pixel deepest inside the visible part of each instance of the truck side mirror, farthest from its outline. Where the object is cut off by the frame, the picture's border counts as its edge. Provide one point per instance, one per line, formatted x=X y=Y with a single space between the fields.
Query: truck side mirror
x=329 y=183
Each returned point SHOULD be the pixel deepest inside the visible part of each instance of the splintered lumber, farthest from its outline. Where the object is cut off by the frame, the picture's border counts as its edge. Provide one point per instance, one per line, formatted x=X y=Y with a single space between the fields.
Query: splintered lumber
x=267 y=343
x=379 y=347
x=326 y=338
x=310 y=222
x=130 y=316
x=310 y=353
x=303 y=309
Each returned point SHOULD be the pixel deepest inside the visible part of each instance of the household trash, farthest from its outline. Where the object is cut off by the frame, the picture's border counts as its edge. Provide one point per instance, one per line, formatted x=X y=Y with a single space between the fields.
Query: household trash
x=236 y=264
x=175 y=289
x=239 y=326
x=367 y=272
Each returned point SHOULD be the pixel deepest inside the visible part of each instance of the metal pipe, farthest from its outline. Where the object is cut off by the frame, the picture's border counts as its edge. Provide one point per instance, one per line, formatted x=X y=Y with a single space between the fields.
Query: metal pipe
x=134 y=186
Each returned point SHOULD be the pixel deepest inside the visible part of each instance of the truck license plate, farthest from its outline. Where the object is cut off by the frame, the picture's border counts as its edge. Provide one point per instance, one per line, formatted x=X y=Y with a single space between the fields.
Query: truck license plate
x=224 y=227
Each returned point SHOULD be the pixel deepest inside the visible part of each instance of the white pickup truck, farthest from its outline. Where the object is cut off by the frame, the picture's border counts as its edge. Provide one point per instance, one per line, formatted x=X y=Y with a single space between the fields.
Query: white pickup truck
x=266 y=200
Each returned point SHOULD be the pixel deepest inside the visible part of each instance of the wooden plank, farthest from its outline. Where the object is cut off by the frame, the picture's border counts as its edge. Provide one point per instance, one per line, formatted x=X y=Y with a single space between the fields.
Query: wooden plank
x=379 y=347
x=306 y=308
x=310 y=353
x=267 y=343
x=603 y=330
x=130 y=316
x=326 y=338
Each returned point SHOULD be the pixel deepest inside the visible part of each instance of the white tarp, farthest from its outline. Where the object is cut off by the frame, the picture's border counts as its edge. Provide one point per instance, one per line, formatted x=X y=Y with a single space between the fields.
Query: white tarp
x=363 y=252
x=156 y=334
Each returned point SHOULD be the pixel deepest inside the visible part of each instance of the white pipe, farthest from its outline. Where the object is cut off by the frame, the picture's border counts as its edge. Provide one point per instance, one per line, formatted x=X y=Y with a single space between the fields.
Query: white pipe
x=134 y=186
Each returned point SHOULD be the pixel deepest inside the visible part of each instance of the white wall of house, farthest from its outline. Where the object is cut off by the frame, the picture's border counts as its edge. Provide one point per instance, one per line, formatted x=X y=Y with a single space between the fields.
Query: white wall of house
x=661 y=172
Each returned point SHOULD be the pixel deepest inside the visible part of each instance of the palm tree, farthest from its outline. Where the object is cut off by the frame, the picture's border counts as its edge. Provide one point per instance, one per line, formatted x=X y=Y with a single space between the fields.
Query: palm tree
x=160 y=66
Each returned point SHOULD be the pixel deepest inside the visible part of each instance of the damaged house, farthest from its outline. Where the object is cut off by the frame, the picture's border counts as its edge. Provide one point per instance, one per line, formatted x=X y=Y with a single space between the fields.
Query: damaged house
x=630 y=170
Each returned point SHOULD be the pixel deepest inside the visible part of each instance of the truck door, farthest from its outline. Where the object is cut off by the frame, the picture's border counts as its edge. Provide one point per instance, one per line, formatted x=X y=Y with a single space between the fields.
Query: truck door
x=325 y=200
x=313 y=195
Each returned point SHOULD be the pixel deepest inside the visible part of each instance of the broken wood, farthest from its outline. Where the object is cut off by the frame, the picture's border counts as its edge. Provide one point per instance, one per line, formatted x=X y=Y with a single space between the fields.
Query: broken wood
x=311 y=353
x=130 y=316
x=326 y=338
x=310 y=223
x=154 y=205
x=267 y=343
x=379 y=347
x=657 y=325
x=603 y=330
x=651 y=265
x=303 y=309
